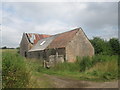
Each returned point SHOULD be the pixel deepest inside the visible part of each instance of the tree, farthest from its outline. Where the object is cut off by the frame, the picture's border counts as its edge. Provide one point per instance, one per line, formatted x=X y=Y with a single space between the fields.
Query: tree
x=17 y=47
x=4 y=47
x=115 y=45
x=101 y=46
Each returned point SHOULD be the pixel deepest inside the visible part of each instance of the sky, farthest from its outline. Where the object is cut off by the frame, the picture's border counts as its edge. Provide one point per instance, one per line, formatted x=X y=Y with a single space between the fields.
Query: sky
x=95 y=18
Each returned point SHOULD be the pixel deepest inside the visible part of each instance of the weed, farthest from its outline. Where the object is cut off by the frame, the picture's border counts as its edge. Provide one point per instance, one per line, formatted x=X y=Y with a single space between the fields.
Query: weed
x=15 y=73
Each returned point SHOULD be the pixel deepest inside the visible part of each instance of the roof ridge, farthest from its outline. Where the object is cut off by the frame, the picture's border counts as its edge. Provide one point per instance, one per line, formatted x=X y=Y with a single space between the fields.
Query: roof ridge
x=56 y=34
x=67 y=36
x=37 y=33
x=68 y=31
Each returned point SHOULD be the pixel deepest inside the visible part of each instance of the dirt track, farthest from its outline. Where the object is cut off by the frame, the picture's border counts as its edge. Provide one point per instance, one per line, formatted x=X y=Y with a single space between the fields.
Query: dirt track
x=70 y=83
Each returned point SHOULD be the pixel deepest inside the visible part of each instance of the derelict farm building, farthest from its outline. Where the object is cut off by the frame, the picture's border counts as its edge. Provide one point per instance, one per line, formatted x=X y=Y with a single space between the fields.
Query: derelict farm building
x=60 y=47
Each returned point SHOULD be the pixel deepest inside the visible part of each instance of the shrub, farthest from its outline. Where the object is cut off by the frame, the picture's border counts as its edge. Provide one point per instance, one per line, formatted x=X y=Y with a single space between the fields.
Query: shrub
x=14 y=71
x=85 y=63
x=106 y=69
x=99 y=58
x=115 y=46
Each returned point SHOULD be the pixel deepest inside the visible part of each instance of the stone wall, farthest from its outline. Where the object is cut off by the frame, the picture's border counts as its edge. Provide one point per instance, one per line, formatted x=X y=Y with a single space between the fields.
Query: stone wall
x=24 y=46
x=37 y=54
x=54 y=59
x=51 y=55
x=59 y=51
x=79 y=46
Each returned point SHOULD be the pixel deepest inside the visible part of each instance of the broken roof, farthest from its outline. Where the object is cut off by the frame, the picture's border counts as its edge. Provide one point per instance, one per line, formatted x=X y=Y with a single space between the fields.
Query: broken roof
x=42 y=44
x=55 y=41
x=34 y=38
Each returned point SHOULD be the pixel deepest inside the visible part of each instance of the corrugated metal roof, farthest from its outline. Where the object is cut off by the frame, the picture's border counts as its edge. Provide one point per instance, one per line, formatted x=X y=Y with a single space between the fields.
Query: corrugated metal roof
x=43 y=43
x=34 y=38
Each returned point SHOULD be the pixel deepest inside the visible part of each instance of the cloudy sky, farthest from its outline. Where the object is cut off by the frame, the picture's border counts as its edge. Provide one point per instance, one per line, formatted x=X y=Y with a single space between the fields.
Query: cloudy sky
x=95 y=18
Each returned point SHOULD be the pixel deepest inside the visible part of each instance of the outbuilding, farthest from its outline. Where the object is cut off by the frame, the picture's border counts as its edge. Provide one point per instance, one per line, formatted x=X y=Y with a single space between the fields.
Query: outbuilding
x=63 y=47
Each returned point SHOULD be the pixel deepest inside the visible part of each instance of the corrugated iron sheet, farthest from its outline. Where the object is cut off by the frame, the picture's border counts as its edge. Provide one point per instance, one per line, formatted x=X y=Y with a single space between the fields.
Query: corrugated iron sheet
x=34 y=38
x=42 y=44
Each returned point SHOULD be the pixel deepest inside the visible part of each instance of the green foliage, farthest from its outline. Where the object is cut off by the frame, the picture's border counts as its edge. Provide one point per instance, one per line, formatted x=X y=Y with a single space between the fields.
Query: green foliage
x=109 y=75
x=14 y=71
x=103 y=58
x=98 y=45
x=103 y=47
x=66 y=67
x=106 y=69
x=60 y=68
x=34 y=64
x=99 y=67
x=96 y=68
x=85 y=63
x=115 y=45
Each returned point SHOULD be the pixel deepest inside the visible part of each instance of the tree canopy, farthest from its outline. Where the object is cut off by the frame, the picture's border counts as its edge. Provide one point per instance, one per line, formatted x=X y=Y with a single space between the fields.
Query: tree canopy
x=105 y=47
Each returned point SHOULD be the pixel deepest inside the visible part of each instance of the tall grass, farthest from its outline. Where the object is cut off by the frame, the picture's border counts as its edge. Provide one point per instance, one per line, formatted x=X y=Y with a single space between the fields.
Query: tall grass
x=107 y=69
x=72 y=67
x=85 y=63
x=15 y=73
x=99 y=67
x=35 y=65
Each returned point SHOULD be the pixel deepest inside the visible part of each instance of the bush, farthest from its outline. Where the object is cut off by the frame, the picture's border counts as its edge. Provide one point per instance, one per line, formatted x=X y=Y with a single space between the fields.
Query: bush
x=103 y=58
x=85 y=63
x=115 y=46
x=14 y=71
x=105 y=69
x=99 y=58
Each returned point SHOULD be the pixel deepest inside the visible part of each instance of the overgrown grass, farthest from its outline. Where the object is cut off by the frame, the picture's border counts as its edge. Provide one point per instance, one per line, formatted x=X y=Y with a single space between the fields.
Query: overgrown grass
x=21 y=72
x=37 y=80
x=107 y=70
x=97 y=68
x=15 y=73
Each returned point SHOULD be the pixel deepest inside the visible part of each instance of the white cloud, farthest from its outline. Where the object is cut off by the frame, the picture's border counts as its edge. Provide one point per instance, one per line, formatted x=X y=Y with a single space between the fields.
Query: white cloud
x=110 y=32
x=10 y=37
x=53 y=27
x=52 y=18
